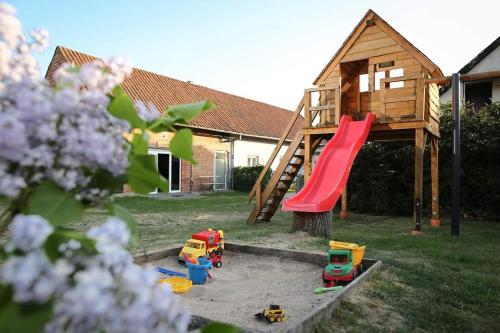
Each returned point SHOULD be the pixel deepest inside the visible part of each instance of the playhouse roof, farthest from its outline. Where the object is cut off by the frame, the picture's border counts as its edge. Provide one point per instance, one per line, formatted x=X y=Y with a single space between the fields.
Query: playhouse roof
x=232 y=114
x=373 y=18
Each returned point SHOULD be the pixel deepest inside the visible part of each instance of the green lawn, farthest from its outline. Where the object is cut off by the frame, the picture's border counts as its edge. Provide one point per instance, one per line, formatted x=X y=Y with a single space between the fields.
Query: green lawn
x=431 y=283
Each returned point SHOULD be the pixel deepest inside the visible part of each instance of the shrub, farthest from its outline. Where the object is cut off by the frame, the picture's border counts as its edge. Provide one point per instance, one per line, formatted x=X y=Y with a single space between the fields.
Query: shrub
x=244 y=178
x=382 y=177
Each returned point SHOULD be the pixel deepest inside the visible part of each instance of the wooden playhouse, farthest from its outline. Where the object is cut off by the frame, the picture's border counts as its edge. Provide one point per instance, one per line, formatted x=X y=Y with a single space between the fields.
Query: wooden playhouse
x=376 y=70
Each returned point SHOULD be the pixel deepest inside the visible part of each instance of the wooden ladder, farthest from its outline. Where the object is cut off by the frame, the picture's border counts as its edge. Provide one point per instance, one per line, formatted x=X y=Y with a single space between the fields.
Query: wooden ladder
x=268 y=200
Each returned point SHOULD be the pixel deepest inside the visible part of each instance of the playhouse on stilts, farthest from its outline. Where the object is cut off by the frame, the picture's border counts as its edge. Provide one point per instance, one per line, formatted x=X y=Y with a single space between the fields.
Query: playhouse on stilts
x=376 y=87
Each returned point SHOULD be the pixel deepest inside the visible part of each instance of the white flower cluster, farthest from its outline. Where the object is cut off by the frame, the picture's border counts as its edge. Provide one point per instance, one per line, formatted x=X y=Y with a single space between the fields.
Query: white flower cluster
x=63 y=134
x=103 y=293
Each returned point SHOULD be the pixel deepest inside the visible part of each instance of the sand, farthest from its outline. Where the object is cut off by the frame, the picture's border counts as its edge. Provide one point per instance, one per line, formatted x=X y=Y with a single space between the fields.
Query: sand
x=246 y=284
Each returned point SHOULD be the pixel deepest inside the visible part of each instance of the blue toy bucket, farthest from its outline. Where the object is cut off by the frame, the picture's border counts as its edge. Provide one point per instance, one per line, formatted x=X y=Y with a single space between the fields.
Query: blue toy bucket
x=198 y=273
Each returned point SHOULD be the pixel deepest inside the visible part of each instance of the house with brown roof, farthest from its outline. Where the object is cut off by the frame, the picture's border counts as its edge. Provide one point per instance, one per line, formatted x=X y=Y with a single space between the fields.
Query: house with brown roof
x=237 y=132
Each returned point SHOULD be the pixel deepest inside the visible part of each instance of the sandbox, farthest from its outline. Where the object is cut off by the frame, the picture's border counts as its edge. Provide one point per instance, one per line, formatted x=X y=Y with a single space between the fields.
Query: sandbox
x=253 y=277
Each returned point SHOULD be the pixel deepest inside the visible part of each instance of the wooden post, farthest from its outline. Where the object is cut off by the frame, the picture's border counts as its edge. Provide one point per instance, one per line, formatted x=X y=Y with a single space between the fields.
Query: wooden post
x=307 y=110
x=307 y=157
x=316 y=224
x=338 y=107
x=382 y=102
x=419 y=176
x=435 y=221
x=343 y=211
x=420 y=103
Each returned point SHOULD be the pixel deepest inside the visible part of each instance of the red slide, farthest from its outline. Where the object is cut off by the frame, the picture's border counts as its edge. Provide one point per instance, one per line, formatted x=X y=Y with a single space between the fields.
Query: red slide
x=329 y=176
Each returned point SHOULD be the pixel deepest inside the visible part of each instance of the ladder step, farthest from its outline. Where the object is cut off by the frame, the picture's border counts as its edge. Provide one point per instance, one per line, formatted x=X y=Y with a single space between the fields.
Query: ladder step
x=299 y=152
x=322 y=107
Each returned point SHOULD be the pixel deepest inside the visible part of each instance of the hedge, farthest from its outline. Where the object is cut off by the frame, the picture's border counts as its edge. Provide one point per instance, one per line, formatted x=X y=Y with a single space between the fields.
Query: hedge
x=244 y=178
x=381 y=181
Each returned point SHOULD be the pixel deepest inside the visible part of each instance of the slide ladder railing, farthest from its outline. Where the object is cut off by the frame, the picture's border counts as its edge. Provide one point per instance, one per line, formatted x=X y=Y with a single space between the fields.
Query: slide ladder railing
x=268 y=198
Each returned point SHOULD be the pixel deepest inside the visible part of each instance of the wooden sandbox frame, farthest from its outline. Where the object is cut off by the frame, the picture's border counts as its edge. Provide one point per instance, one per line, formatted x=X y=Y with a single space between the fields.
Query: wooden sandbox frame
x=308 y=322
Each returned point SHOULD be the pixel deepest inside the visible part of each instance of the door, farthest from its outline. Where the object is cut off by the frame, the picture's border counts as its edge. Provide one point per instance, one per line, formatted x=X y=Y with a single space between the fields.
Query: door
x=163 y=166
x=175 y=174
x=169 y=167
x=220 y=170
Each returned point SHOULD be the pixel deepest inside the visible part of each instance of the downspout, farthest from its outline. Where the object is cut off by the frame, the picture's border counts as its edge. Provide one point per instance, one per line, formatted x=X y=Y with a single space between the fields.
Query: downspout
x=190 y=177
x=231 y=163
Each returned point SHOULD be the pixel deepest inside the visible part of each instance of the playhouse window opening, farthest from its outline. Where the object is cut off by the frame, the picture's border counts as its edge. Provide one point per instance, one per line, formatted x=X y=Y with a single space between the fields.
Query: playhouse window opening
x=378 y=77
x=396 y=73
x=363 y=83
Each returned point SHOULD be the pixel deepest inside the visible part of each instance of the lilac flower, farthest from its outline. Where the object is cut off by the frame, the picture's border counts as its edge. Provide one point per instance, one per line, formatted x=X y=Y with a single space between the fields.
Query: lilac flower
x=28 y=232
x=147 y=111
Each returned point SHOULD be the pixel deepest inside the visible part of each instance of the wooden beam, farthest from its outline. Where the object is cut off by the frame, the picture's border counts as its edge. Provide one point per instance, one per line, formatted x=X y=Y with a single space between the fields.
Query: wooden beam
x=435 y=221
x=420 y=137
x=307 y=157
x=343 y=210
x=258 y=192
x=375 y=128
x=420 y=102
x=338 y=109
x=307 y=109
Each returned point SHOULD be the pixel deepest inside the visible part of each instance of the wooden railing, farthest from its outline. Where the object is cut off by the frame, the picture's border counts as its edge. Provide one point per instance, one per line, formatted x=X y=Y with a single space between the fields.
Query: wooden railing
x=328 y=108
x=401 y=100
x=258 y=184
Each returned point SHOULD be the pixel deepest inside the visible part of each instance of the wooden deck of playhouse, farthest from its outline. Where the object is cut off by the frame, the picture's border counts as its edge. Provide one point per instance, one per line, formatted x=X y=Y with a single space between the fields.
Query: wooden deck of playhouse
x=376 y=70
x=253 y=277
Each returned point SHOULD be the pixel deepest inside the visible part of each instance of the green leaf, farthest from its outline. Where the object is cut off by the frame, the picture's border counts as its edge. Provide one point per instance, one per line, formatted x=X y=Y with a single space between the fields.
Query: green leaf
x=51 y=245
x=26 y=318
x=117 y=91
x=139 y=144
x=181 y=145
x=122 y=107
x=187 y=112
x=53 y=203
x=104 y=179
x=123 y=214
x=163 y=124
x=142 y=175
x=220 y=328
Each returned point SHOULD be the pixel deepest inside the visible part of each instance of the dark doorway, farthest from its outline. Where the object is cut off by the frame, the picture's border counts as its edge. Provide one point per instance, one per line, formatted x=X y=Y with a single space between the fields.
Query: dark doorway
x=163 y=166
x=175 y=182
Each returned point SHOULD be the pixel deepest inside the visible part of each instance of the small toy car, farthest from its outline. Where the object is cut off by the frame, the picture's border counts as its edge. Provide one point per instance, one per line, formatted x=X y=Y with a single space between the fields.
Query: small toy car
x=274 y=314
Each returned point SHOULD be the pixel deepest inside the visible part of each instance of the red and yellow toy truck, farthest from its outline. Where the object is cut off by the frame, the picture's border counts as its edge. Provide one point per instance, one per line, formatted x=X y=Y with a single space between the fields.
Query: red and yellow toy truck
x=207 y=244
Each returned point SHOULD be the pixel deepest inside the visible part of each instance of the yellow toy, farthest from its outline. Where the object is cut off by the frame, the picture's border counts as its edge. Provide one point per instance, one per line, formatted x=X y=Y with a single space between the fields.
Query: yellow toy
x=357 y=251
x=179 y=285
x=274 y=314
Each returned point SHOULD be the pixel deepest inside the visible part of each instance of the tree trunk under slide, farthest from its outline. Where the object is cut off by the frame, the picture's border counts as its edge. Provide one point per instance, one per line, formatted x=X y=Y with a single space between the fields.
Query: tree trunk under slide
x=315 y=224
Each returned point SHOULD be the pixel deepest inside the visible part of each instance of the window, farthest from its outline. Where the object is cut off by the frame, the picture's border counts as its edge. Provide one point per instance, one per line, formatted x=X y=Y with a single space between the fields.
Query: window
x=252 y=160
x=396 y=73
x=363 y=83
x=478 y=94
x=378 y=76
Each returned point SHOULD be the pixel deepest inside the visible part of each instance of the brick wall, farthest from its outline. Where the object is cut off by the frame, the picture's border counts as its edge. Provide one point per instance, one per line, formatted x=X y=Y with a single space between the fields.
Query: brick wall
x=203 y=148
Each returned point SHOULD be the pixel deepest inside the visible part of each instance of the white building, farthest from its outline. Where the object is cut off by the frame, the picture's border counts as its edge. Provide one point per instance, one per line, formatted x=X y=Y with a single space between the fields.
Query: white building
x=480 y=92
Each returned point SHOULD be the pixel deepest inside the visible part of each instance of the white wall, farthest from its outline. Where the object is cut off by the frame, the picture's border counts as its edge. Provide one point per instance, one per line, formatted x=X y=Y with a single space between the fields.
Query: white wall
x=245 y=148
x=488 y=64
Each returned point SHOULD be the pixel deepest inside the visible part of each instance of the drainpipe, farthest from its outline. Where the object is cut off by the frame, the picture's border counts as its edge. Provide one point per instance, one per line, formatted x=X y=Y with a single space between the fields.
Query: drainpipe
x=231 y=163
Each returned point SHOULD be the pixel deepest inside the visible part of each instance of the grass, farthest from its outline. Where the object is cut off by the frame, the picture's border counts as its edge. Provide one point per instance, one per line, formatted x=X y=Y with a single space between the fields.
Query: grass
x=432 y=283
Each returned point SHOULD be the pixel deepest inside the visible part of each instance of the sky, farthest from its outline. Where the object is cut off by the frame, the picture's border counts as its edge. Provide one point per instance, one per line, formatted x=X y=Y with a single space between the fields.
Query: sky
x=269 y=51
